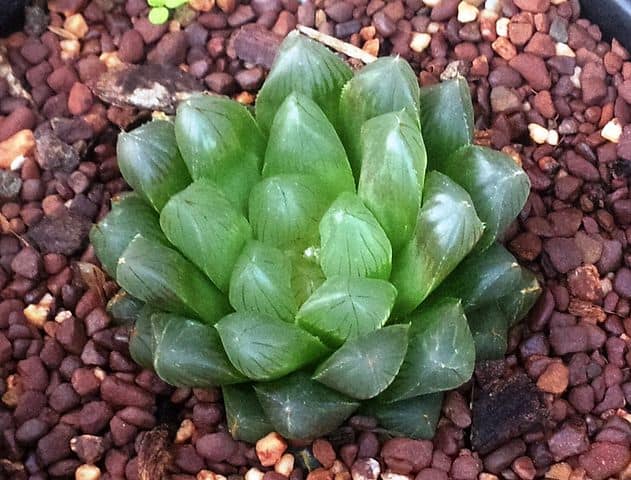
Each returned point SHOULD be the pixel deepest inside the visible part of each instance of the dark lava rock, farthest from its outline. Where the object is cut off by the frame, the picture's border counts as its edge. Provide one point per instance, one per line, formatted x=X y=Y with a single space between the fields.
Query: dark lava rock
x=65 y=234
x=52 y=153
x=10 y=185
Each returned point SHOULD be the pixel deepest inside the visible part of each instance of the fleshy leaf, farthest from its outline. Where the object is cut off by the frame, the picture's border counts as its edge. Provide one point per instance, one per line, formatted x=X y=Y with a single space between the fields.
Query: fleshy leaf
x=498 y=187
x=285 y=210
x=265 y=348
x=440 y=355
x=352 y=241
x=163 y=278
x=150 y=162
x=364 y=366
x=124 y=308
x=346 y=307
x=205 y=226
x=261 y=282
x=158 y=15
x=220 y=141
x=386 y=85
x=482 y=278
x=302 y=140
x=446 y=119
x=518 y=303
x=141 y=339
x=189 y=353
x=301 y=408
x=489 y=328
x=392 y=173
x=302 y=65
x=244 y=415
x=447 y=230
x=306 y=275
x=414 y=418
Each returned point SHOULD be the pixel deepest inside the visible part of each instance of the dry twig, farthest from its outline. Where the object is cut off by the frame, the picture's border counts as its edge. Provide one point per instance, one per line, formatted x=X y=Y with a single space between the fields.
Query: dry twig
x=338 y=45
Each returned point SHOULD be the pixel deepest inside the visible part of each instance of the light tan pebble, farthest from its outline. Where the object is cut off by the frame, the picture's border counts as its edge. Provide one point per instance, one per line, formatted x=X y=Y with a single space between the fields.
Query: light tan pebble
x=487 y=476
x=564 y=50
x=467 y=13
x=420 y=41
x=501 y=27
x=285 y=464
x=20 y=144
x=371 y=46
x=390 y=475
x=612 y=131
x=36 y=315
x=538 y=134
x=559 y=471
x=185 y=432
x=110 y=59
x=202 y=5
x=76 y=25
x=576 y=78
x=70 y=49
x=431 y=3
x=87 y=472
x=270 y=448
x=254 y=474
x=493 y=5
x=433 y=27
x=552 y=138
x=557 y=2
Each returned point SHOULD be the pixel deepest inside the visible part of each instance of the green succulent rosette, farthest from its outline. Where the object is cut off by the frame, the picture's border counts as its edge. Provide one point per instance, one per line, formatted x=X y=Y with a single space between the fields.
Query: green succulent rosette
x=334 y=252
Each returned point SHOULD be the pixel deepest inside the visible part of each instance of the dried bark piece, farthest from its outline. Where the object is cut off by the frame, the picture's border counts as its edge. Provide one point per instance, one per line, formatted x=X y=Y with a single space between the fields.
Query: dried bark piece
x=6 y=71
x=154 y=456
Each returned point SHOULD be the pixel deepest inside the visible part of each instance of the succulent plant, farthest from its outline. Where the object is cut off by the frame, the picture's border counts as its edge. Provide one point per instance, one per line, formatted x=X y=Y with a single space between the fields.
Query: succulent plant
x=159 y=9
x=321 y=256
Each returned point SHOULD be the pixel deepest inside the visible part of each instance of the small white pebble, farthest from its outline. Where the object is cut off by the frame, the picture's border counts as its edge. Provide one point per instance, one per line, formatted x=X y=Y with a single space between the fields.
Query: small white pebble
x=526 y=106
x=501 y=27
x=185 y=432
x=420 y=41
x=553 y=137
x=99 y=373
x=467 y=13
x=87 y=472
x=390 y=475
x=76 y=25
x=538 y=134
x=253 y=474
x=285 y=465
x=493 y=5
x=62 y=316
x=17 y=162
x=557 y=2
x=433 y=27
x=564 y=50
x=576 y=78
x=431 y=3
x=36 y=315
x=612 y=131
x=606 y=286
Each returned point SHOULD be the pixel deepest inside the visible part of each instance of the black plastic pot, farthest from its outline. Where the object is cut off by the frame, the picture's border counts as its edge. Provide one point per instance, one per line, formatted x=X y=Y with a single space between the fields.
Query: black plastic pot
x=613 y=16
x=11 y=16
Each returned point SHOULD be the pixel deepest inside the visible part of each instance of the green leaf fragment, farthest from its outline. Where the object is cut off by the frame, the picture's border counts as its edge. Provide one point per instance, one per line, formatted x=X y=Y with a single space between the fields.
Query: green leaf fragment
x=498 y=187
x=392 y=173
x=364 y=366
x=447 y=230
x=265 y=348
x=352 y=241
x=162 y=277
x=244 y=414
x=301 y=408
x=518 y=303
x=155 y=3
x=141 y=339
x=205 y=226
x=174 y=3
x=149 y=160
x=446 y=113
x=158 y=15
x=346 y=307
x=124 y=308
x=302 y=65
x=440 y=355
x=303 y=141
x=386 y=85
x=489 y=328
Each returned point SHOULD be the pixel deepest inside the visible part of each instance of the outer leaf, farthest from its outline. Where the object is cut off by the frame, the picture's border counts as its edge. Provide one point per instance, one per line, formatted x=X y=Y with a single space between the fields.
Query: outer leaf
x=285 y=210
x=498 y=187
x=440 y=355
x=415 y=418
x=447 y=230
x=364 y=366
x=220 y=141
x=301 y=408
x=303 y=141
x=264 y=348
x=141 y=339
x=345 y=307
x=302 y=65
x=150 y=162
x=386 y=85
x=518 y=303
x=489 y=327
x=124 y=308
x=352 y=241
x=482 y=279
x=245 y=417
x=129 y=217
x=163 y=278
x=189 y=353
x=205 y=226
x=446 y=119
x=261 y=282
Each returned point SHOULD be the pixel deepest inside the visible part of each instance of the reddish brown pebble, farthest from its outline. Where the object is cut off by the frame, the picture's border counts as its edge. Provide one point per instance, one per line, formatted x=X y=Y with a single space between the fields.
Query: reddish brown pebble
x=554 y=379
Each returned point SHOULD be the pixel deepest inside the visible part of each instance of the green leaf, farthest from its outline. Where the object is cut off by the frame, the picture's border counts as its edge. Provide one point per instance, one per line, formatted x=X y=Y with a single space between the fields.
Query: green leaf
x=440 y=355
x=189 y=354
x=220 y=141
x=129 y=217
x=306 y=275
x=302 y=140
x=285 y=211
x=482 y=278
x=346 y=307
x=158 y=15
x=518 y=303
x=498 y=187
x=414 y=418
x=392 y=173
x=352 y=241
x=265 y=348
x=163 y=278
x=489 y=328
x=364 y=366
x=174 y=3
x=446 y=119
x=150 y=162
x=386 y=85
x=141 y=339
x=301 y=408
x=244 y=415
x=205 y=226
x=261 y=282
x=447 y=230
x=302 y=65
x=124 y=308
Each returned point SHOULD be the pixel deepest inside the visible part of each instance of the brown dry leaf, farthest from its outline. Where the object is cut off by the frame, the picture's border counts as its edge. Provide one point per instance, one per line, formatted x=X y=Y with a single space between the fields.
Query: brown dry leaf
x=587 y=310
x=6 y=71
x=5 y=227
x=92 y=277
x=154 y=455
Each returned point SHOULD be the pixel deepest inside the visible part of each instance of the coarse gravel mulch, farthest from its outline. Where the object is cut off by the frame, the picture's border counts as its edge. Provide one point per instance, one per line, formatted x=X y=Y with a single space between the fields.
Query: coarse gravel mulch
x=547 y=90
